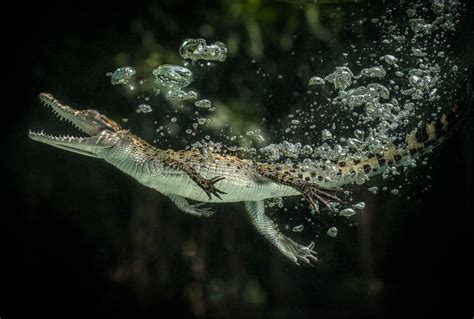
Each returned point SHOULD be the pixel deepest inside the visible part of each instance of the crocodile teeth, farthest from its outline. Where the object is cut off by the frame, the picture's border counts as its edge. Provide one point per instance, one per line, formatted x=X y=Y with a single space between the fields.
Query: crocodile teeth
x=52 y=105
x=56 y=138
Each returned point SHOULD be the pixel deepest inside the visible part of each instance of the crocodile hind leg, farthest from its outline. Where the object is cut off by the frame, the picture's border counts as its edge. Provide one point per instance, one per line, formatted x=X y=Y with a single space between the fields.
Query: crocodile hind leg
x=314 y=194
x=301 y=181
x=195 y=209
x=299 y=254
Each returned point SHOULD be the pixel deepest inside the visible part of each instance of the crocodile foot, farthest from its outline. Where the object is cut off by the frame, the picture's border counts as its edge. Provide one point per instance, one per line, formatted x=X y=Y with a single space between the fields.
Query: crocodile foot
x=299 y=254
x=197 y=210
x=208 y=186
x=314 y=194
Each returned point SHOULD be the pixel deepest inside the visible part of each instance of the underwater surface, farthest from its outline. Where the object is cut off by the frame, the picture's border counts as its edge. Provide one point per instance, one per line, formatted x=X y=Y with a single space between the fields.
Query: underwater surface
x=310 y=85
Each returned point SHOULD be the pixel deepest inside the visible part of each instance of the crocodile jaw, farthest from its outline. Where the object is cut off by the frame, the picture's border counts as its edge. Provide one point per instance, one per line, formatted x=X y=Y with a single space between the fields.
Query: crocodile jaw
x=103 y=132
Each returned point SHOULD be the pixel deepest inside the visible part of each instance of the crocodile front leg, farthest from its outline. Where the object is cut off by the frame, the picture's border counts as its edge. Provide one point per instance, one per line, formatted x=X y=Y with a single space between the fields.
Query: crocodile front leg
x=265 y=226
x=207 y=185
x=186 y=207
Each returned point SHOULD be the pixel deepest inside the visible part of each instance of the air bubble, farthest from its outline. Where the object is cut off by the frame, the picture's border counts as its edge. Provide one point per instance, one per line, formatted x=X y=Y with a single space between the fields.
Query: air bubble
x=390 y=59
x=359 y=205
x=373 y=190
x=341 y=78
x=173 y=76
x=180 y=95
x=332 y=232
x=298 y=229
x=347 y=212
x=204 y=103
x=197 y=49
x=122 y=75
x=144 y=108
x=316 y=80
x=326 y=135
x=374 y=72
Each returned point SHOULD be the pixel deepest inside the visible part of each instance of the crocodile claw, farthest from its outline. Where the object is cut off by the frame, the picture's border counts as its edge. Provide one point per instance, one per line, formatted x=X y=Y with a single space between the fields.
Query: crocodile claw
x=315 y=195
x=210 y=189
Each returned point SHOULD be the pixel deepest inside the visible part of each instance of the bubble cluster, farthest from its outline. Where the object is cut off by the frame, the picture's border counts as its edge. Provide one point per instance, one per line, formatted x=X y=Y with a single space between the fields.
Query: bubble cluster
x=341 y=78
x=197 y=49
x=144 y=108
x=180 y=95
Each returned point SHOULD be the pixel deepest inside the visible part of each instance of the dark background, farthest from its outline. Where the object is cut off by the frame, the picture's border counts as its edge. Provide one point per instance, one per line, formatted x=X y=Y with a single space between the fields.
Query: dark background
x=79 y=238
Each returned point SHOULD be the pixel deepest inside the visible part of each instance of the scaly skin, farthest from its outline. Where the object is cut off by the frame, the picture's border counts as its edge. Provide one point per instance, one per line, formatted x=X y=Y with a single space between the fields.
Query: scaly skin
x=216 y=178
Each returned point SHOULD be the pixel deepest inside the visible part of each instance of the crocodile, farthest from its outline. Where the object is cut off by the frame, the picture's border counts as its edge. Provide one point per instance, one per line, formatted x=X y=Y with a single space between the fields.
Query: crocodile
x=210 y=177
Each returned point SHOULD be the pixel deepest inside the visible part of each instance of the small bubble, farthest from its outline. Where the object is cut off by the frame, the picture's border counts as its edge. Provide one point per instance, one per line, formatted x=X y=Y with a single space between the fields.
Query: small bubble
x=347 y=212
x=326 y=135
x=332 y=232
x=418 y=52
x=359 y=205
x=144 y=108
x=399 y=73
x=298 y=229
x=390 y=59
x=359 y=134
x=374 y=72
x=307 y=150
x=204 y=103
x=373 y=190
x=316 y=80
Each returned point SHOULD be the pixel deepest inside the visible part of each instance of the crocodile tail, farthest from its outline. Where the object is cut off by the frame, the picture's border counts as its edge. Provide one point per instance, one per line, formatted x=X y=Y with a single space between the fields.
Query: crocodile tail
x=399 y=152
x=418 y=142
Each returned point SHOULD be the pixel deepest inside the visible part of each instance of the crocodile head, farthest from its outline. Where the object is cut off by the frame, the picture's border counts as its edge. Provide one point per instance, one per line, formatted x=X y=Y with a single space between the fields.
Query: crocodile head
x=103 y=132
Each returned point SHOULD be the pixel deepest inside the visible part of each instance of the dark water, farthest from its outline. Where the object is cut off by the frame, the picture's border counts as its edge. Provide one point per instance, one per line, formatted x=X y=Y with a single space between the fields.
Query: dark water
x=80 y=238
